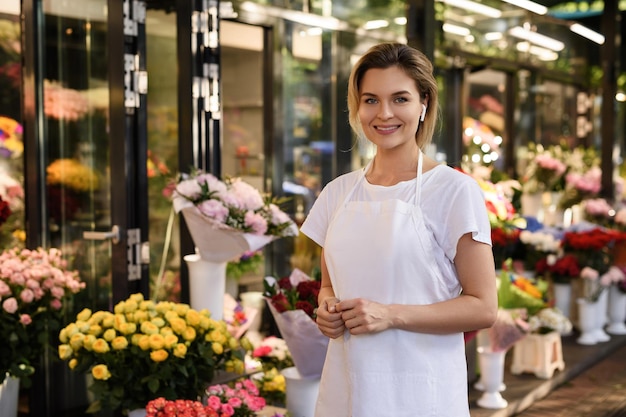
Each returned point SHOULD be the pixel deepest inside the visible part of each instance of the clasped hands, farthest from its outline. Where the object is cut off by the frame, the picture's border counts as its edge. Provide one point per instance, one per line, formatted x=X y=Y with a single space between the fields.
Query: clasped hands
x=357 y=315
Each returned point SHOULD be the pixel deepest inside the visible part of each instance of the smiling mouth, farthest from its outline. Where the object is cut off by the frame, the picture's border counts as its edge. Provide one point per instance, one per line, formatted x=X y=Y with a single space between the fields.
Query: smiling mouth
x=387 y=128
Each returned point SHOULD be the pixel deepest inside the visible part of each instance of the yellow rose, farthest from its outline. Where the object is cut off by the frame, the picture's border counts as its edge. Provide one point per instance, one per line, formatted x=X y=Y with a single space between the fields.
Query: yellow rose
x=170 y=340
x=166 y=331
x=130 y=306
x=149 y=328
x=171 y=315
x=239 y=366
x=88 y=341
x=217 y=348
x=193 y=318
x=118 y=321
x=178 y=325
x=63 y=335
x=158 y=355
x=216 y=336
x=156 y=341
x=181 y=309
x=101 y=372
x=94 y=330
x=108 y=320
x=158 y=322
x=134 y=339
x=232 y=343
x=137 y=297
x=109 y=335
x=180 y=350
x=76 y=341
x=163 y=307
x=73 y=363
x=146 y=305
x=100 y=346
x=97 y=317
x=128 y=328
x=144 y=342
x=84 y=315
x=65 y=352
x=140 y=316
x=189 y=334
x=205 y=322
x=246 y=344
x=119 y=307
x=119 y=343
x=70 y=330
x=83 y=326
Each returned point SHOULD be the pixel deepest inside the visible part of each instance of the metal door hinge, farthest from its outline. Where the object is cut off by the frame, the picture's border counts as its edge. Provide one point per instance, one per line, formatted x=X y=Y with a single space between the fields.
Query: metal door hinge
x=138 y=254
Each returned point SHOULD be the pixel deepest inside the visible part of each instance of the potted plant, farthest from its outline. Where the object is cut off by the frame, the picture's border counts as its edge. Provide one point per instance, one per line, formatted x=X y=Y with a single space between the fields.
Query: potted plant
x=145 y=350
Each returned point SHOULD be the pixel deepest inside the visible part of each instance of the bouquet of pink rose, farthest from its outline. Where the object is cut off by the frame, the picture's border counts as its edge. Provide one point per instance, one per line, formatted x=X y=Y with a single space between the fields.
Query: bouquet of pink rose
x=35 y=288
x=228 y=218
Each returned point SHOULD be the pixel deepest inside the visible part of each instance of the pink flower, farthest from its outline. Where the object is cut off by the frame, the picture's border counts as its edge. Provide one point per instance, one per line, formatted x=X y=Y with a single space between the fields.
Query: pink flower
x=26 y=319
x=27 y=295
x=4 y=289
x=589 y=273
x=246 y=196
x=56 y=304
x=214 y=402
x=10 y=305
x=256 y=222
x=214 y=209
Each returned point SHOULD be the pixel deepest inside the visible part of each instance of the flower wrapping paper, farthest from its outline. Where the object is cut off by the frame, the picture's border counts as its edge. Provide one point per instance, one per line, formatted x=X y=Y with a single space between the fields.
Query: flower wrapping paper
x=307 y=345
x=216 y=242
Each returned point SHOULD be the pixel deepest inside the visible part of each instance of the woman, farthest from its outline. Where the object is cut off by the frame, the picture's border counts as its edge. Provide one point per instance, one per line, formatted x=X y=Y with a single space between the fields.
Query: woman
x=407 y=265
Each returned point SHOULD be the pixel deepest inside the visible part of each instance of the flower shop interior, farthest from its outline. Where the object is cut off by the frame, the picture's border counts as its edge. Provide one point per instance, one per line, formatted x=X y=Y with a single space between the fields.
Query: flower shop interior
x=109 y=108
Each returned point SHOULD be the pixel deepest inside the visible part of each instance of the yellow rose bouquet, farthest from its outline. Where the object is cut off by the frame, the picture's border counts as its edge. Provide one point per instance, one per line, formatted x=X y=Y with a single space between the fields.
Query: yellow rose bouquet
x=145 y=350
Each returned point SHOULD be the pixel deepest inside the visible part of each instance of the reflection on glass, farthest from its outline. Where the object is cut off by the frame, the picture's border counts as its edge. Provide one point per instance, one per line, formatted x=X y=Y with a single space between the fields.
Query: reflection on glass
x=76 y=156
x=11 y=129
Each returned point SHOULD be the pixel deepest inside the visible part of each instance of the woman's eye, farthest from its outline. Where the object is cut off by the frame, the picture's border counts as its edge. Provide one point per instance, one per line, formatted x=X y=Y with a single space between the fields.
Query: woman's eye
x=370 y=101
x=401 y=100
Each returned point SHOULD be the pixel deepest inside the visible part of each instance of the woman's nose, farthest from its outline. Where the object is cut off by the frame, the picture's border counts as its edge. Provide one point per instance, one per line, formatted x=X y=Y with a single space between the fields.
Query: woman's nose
x=384 y=111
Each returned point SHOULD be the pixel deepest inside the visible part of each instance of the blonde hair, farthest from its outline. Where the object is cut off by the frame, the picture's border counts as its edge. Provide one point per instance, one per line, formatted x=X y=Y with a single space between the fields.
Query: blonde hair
x=415 y=64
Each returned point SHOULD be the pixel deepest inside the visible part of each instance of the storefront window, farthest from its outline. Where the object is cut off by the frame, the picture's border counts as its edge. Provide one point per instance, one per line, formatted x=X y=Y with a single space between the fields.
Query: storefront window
x=11 y=129
x=76 y=156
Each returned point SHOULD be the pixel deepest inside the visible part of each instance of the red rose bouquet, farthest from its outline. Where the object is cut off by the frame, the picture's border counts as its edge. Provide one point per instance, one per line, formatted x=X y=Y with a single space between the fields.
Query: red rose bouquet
x=293 y=301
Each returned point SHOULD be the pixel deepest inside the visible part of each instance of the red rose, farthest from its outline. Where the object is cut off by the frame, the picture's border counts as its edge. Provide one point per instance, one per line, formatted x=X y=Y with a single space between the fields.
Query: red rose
x=306 y=306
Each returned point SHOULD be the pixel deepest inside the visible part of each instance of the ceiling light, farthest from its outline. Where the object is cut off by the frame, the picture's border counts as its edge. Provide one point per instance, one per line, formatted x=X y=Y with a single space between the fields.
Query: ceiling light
x=541 y=53
x=471 y=6
x=375 y=24
x=455 y=30
x=537 y=38
x=585 y=32
x=399 y=20
x=493 y=36
x=529 y=5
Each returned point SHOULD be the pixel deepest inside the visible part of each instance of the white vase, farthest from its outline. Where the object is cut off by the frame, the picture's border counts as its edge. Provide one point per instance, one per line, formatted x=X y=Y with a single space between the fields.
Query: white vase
x=138 y=412
x=301 y=393
x=9 y=396
x=482 y=340
x=586 y=322
x=617 y=311
x=492 y=374
x=207 y=285
x=563 y=297
x=601 y=317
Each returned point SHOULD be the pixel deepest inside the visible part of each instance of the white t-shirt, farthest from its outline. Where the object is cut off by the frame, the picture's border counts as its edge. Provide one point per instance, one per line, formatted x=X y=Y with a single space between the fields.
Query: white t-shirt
x=452 y=202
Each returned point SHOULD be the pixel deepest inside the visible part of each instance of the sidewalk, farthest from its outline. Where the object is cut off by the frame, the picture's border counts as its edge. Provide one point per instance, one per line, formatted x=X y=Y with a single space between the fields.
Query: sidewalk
x=588 y=366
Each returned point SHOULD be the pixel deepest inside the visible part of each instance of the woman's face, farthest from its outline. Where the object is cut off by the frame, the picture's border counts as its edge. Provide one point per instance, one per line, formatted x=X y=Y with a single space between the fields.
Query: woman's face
x=389 y=107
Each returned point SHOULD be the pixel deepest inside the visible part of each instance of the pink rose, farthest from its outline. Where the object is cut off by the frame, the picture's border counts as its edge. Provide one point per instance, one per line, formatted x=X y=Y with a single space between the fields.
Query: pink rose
x=56 y=304
x=4 y=289
x=26 y=319
x=10 y=305
x=214 y=209
x=27 y=295
x=256 y=222
x=214 y=402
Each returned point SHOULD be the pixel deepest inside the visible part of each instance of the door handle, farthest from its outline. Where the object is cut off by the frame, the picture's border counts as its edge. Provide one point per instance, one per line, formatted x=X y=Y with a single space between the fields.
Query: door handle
x=114 y=235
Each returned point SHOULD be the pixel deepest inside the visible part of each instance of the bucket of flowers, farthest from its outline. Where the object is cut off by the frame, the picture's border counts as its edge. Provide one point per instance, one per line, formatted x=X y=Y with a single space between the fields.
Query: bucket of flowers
x=145 y=350
x=36 y=288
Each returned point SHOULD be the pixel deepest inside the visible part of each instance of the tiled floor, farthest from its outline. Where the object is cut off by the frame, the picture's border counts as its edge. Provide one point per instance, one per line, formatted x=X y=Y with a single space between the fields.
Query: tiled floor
x=593 y=384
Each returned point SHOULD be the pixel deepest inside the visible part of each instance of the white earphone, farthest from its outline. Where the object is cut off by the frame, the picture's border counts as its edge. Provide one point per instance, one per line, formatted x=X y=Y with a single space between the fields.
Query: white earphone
x=423 y=115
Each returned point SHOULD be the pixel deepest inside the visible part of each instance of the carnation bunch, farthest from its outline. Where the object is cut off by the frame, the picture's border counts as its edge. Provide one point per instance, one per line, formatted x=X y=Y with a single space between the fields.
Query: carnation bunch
x=273 y=353
x=548 y=320
x=35 y=289
x=145 y=350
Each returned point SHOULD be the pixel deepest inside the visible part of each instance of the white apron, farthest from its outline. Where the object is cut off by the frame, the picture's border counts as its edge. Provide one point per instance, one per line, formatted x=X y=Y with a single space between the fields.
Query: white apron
x=382 y=251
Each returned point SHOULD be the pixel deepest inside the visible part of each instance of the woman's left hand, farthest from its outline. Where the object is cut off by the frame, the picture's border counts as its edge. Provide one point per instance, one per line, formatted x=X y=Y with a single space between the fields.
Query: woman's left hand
x=362 y=316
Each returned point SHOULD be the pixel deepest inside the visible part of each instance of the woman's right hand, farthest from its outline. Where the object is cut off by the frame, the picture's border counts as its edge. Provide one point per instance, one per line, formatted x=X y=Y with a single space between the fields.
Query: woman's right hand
x=329 y=320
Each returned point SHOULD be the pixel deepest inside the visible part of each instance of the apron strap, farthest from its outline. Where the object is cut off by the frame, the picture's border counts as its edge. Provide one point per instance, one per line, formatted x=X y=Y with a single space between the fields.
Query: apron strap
x=418 y=182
